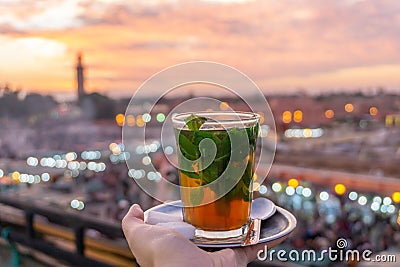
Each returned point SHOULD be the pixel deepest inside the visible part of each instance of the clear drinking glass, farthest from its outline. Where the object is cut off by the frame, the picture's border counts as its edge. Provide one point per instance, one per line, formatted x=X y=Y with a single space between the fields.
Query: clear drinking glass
x=216 y=176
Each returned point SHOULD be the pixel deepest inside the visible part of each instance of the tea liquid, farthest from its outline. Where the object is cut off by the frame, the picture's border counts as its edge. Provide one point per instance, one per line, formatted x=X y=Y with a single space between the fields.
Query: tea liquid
x=231 y=211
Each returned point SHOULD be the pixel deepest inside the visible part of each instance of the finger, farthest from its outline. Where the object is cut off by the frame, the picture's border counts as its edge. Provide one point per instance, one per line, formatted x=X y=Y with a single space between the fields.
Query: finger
x=136 y=211
x=134 y=228
x=133 y=216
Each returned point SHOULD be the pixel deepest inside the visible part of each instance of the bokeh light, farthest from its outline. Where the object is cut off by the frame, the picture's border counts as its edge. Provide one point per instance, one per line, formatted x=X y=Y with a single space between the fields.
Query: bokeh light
x=362 y=200
x=15 y=176
x=276 y=187
x=263 y=189
x=146 y=160
x=299 y=190
x=306 y=192
x=377 y=199
x=290 y=191
x=391 y=209
x=120 y=119
x=45 y=177
x=396 y=197
x=307 y=133
x=329 y=114
x=324 y=196
x=373 y=111
x=160 y=117
x=139 y=121
x=340 y=189
x=169 y=150
x=70 y=156
x=349 y=107
x=353 y=195
x=375 y=206
x=293 y=182
x=32 y=161
x=130 y=120
x=256 y=186
x=74 y=203
x=146 y=117
x=298 y=116
x=286 y=116
x=387 y=201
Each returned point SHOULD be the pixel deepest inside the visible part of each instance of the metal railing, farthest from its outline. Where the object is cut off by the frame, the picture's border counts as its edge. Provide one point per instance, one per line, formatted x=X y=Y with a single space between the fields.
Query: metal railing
x=77 y=225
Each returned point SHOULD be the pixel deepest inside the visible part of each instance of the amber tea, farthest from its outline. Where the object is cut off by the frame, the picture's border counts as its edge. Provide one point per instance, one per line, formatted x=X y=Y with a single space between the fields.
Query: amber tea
x=203 y=208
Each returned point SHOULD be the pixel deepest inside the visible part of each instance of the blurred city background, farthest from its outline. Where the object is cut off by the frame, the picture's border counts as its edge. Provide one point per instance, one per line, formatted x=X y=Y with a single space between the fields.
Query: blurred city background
x=329 y=70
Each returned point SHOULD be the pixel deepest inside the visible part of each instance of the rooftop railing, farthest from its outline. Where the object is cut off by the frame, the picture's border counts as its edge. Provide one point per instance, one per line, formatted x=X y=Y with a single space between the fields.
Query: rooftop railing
x=60 y=234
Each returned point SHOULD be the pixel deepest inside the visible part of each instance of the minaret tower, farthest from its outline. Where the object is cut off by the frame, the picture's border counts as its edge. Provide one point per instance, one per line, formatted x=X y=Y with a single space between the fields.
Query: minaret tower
x=79 y=77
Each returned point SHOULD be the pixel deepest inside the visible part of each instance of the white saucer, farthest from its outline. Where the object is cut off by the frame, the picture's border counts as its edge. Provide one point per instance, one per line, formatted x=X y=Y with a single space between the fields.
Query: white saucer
x=278 y=223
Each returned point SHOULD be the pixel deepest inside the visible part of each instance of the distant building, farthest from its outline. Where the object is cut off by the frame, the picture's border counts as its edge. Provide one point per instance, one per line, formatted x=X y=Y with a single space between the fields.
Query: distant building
x=80 y=77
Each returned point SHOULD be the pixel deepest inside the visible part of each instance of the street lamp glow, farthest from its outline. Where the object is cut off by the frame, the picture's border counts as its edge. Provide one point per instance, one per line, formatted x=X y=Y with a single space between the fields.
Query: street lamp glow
x=74 y=203
x=263 y=189
x=396 y=197
x=298 y=116
x=160 y=117
x=387 y=201
x=130 y=120
x=146 y=160
x=353 y=196
x=120 y=119
x=290 y=191
x=15 y=176
x=324 y=196
x=139 y=121
x=286 y=116
x=349 y=107
x=293 y=182
x=329 y=114
x=362 y=200
x=340 y=189
x=391 y=209
x=375 y=206
x=306 y=192
x=146 y=117
x=299 y=190
x=373 y=111
x=276 y=187
x=377 y=199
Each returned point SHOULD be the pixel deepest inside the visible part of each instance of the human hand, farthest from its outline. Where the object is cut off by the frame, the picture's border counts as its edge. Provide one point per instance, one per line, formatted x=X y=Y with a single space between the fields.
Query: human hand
x=153 y=245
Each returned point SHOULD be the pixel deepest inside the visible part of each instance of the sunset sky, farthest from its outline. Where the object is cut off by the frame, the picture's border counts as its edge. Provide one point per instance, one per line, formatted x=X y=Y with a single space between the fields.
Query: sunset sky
x=282 y=45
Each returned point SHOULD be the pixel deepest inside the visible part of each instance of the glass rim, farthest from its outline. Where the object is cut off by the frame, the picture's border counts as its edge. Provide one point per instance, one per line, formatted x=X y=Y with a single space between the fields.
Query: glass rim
x=236 y=117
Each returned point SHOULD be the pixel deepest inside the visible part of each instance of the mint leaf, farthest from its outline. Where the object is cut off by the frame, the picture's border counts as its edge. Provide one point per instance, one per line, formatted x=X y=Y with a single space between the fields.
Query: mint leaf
x=194 y=122
x=189 y=150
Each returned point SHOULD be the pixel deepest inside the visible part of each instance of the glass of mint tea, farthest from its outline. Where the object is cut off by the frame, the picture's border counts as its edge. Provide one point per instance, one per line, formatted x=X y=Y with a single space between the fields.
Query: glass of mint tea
x=216 y=154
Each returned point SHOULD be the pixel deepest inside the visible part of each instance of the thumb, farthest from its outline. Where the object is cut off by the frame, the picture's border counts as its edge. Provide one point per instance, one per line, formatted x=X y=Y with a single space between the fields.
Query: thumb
x=133 y=217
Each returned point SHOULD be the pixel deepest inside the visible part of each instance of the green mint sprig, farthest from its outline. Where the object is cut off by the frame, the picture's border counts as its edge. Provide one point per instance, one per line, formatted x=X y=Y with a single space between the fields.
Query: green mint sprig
x=194 y=122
